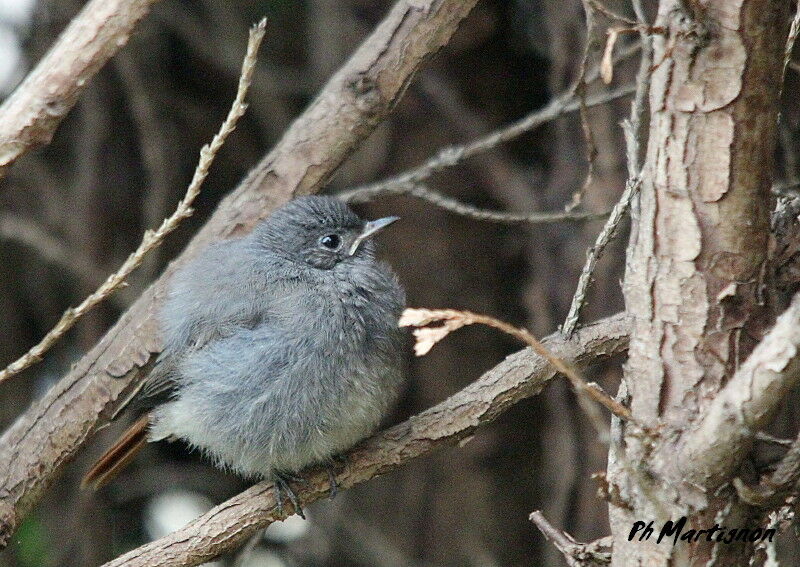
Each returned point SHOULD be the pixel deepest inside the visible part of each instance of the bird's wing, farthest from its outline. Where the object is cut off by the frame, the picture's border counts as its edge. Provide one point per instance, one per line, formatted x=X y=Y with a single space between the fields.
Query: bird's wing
x=160 y=385
x=217 y=295
x=156 y=388
x=220 y=291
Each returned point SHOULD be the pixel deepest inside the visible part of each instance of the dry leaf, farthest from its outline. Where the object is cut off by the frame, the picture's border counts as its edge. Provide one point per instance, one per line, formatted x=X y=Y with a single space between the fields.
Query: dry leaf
x=418 y=317
x=606 y=65
x=429 y=336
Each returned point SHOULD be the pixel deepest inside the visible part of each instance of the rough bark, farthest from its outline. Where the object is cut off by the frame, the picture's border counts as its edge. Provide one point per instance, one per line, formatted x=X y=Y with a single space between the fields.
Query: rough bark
x=345 y=112
x=521 y=375
x=695 y=277
x=713 y=448
x=30 y=116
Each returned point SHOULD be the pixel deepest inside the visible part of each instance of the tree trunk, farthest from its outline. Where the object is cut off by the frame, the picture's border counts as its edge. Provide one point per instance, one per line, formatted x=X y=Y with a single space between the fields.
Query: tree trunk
x=695 y=267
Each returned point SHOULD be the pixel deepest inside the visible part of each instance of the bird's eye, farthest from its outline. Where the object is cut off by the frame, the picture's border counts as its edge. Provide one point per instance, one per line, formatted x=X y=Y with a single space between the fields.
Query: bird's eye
x=331 y=241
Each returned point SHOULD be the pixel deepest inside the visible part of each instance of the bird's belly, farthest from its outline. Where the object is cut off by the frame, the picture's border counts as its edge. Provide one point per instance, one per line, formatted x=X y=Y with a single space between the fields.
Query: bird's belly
x=286 y=435
x=296 y=450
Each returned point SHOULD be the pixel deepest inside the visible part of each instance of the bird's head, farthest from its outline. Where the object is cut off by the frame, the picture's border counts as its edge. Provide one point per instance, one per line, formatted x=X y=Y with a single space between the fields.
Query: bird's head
x=319 y=231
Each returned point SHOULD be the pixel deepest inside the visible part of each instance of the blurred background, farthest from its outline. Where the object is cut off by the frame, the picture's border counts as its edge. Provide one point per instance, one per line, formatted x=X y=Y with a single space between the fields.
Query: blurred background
x=70 y=213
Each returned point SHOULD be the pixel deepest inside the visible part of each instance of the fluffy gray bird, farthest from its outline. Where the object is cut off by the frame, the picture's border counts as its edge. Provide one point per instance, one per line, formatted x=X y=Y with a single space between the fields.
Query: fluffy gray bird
x=281 y=349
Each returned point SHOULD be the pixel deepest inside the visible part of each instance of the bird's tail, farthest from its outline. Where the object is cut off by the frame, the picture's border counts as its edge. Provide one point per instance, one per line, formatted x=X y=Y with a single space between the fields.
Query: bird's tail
x=118 y=456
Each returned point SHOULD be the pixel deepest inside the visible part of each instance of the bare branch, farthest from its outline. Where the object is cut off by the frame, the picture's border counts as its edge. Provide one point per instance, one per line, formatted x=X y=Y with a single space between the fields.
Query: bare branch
x=712 y=449
x=361 y=94
x=579 y=90
x=609 y=13
x=521 y=375
x=454 y=155
x=767 y=438
x=421 y=191
x=575 y=554
x=30 y=116
x=152 y=239
x=594 y=253
x=412 y=182
x=564 y=542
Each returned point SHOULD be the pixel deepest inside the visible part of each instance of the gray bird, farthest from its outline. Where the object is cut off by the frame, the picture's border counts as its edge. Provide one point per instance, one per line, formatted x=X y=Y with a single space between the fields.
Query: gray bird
x=281 y=349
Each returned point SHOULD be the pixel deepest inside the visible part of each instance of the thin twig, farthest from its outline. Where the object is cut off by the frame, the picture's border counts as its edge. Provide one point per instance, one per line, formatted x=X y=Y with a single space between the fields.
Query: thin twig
x=635 y=126
x=579 y=90
x=767 y=438
x=409 y=181
x=564 y=542
x=638 y=9
x=594 y=253
x=634 y=132
x=575 y=554
x=152 y=239
x=454 y=155
x=451 y=319
x=421 y=191
x=606 y=64
x=608 y=12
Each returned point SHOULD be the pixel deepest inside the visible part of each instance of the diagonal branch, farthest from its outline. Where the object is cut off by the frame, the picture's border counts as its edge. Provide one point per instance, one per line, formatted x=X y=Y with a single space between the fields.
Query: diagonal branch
x=712 y=449
x=575 y=554
x=451 y=319
x=521 y=375
x=361 y=94
x=446 y=203
x=452 y=156
x=30 y=116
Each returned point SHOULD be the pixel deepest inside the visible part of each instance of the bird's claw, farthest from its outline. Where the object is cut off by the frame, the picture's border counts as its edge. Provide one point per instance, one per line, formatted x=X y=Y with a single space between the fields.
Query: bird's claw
x=334 y=488
x=282 y=489
x=336 y=464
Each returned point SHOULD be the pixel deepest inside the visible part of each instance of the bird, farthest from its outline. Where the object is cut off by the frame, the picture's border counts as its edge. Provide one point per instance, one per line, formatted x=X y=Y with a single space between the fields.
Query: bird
x=281 y=349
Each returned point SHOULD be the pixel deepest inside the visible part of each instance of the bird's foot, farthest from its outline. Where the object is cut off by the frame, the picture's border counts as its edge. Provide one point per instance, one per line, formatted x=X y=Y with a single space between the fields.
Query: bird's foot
x=334 y=488
x=335 y=465
x=284 y=490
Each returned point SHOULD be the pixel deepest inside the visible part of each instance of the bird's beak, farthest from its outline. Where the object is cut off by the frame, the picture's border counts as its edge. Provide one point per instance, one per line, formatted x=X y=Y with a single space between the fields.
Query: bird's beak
x=370 y=229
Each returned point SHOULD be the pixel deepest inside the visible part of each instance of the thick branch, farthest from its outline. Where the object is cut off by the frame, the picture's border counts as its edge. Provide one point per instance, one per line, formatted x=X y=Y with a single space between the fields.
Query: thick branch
x=353 y=102
x=695 y=270
x=745 y=405
x=521 y=375
x=30 y=116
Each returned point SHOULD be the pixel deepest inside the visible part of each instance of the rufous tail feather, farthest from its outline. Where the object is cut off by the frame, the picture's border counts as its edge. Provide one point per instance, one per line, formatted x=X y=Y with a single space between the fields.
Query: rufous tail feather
x=118 y=456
